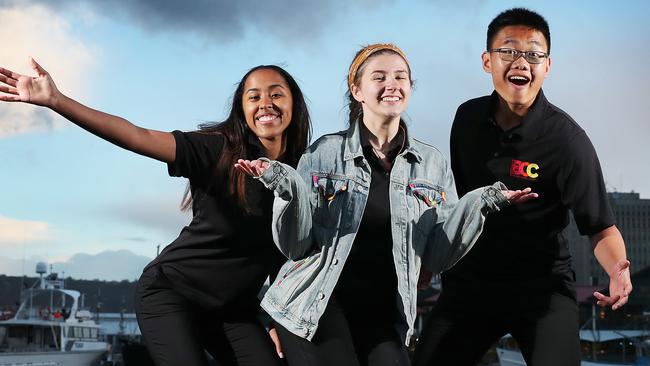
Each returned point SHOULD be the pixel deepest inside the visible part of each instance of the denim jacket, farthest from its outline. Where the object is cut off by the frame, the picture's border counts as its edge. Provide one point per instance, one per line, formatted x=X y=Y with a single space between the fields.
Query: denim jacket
x=318 y=209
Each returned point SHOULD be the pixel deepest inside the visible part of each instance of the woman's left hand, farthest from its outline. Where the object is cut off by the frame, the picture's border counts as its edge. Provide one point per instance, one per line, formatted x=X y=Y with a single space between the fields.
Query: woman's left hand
x=254 y=168
x=520 y=195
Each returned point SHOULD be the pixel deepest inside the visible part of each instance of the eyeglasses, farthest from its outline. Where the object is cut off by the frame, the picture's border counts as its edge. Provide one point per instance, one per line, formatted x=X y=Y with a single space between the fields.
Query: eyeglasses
x=511 y=55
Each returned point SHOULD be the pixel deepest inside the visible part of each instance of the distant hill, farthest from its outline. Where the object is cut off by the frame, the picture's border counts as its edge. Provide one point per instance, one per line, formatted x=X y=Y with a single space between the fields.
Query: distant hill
x=104 y=296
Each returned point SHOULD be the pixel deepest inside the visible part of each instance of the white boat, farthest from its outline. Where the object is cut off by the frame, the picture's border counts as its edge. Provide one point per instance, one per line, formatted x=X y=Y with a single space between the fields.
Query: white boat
x=599 y=348
x=50 y=328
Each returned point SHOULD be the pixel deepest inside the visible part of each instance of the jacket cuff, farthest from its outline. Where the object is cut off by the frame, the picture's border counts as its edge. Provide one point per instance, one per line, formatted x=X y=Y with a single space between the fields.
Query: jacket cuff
x=273 y=174
x=494 y=197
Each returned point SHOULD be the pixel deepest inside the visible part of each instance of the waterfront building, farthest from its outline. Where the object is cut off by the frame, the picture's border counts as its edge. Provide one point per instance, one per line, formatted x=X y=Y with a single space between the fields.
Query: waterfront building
x=633 y=220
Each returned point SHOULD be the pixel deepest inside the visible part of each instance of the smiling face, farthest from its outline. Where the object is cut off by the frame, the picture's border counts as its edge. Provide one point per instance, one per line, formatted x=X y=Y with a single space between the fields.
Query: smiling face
x=384 y=87
x=267 y=104
x=517 y=82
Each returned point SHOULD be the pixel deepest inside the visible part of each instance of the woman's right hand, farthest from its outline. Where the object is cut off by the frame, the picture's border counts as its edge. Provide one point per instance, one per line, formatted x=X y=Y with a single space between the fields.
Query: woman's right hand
x=39 y=90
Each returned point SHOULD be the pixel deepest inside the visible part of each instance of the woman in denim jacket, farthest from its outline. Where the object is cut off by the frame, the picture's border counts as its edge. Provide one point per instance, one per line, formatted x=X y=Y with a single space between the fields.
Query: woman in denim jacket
x=366 y=208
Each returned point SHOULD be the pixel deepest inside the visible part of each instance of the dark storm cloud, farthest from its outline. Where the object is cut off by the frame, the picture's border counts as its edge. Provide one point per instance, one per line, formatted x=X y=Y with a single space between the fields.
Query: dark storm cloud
x=217 y=20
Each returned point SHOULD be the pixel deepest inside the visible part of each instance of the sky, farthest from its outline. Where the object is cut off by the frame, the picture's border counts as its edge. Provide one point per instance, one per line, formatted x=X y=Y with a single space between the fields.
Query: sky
x=93 y=210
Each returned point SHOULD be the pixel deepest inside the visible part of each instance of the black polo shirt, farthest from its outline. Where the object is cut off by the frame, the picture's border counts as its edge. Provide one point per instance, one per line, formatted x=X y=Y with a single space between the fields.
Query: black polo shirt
x=522 y=247
x=222 y=258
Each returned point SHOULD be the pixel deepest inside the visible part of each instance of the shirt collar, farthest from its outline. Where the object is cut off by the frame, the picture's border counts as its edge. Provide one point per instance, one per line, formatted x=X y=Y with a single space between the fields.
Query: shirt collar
x=392 y=153
x=531 y=125
x=354 y=144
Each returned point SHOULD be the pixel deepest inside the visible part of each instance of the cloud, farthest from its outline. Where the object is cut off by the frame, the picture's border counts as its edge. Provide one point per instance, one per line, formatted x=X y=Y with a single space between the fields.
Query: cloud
x=39 y=32
x=220 y=21
x=18 y=231
x=158 y=213
x=137 y=239
x=107 y=265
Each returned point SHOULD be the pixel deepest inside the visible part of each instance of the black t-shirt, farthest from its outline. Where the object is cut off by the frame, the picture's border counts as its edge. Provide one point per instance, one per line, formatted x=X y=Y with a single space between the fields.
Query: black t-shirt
x=224 y=255
x=368 y=282
x=522 y=247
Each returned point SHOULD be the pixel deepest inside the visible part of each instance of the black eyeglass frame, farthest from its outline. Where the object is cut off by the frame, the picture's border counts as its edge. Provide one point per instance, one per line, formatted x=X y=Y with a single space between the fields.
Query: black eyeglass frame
x=530 y=56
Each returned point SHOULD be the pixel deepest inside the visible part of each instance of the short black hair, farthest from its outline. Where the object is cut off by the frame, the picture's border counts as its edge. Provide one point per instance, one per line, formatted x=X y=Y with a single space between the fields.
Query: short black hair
x=518 y=16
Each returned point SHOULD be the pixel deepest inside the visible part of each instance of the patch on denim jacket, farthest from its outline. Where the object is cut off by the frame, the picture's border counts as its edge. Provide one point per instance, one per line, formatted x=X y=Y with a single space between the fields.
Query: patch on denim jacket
x=329 y=198
x=293 y=268
x=430 y=195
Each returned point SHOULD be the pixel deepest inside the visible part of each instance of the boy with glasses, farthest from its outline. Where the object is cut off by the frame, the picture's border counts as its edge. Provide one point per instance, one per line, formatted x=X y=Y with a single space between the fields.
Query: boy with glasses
x=518 y=278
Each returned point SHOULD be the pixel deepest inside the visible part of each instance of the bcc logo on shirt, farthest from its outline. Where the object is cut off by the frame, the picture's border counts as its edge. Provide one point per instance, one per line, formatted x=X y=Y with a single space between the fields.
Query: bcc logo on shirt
x=524 y=169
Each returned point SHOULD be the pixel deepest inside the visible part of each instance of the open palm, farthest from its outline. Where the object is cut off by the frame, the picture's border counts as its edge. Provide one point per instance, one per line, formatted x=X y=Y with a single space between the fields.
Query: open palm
x=39 y=90
x=520 y=195
x=620 y=287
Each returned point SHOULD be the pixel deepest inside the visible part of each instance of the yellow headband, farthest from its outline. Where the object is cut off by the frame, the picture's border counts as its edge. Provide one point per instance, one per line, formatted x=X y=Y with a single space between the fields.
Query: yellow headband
x=366 y=52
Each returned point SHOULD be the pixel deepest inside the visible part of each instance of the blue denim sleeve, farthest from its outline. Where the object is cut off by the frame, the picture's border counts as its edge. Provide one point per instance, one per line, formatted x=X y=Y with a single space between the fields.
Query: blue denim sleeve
x=292 y=211
x=459 y=223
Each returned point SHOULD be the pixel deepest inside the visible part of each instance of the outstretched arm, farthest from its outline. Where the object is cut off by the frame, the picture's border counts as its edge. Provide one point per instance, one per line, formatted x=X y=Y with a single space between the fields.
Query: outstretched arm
x=41 y=90
x=462 y=223
x=292 y=211
x=609 y=249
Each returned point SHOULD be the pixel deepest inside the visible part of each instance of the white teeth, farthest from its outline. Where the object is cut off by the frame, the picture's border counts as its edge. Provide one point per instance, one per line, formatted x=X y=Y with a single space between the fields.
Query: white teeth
x=518 y=78
x=390 y=99
x=266 y=118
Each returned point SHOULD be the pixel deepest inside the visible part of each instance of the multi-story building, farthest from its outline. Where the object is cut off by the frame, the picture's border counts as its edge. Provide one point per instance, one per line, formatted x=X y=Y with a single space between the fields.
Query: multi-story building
x=633 y=220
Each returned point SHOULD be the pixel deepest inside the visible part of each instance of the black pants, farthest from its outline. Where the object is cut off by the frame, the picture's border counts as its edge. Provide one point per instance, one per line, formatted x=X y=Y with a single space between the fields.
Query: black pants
x=178 y=332
x=459 y=333
x=346 y=338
